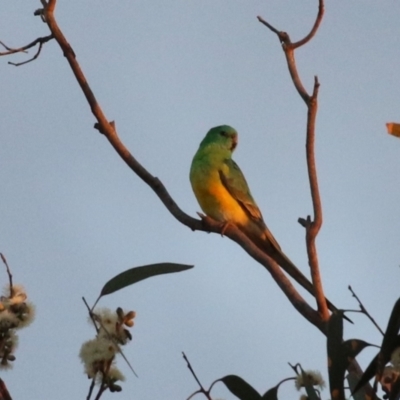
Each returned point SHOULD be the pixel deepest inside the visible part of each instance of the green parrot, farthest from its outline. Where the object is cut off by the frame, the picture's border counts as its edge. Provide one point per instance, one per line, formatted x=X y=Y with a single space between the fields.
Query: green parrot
x=223 y=194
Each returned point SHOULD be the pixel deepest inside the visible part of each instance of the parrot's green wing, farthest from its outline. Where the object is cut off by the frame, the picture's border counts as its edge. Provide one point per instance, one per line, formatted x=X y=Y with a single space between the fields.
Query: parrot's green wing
x=235 y=182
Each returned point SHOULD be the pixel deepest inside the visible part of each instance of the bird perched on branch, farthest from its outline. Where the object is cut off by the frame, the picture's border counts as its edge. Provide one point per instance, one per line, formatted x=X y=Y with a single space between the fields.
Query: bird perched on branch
x=223 y=194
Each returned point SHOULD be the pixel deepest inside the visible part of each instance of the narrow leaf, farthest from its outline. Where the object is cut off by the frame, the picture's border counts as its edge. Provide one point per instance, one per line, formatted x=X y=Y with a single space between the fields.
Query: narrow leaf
x=352 y=347
x=390 y=339
x=336 y=357
x=133 y=275
x=240 y=388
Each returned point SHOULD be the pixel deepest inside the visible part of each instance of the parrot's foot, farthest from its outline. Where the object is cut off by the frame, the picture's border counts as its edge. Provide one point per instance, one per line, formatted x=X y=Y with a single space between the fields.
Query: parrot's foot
x=225 y=226
x=206 y=219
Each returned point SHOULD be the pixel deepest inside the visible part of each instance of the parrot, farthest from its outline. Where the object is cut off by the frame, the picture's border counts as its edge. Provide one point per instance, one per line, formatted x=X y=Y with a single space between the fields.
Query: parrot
x=224 y=195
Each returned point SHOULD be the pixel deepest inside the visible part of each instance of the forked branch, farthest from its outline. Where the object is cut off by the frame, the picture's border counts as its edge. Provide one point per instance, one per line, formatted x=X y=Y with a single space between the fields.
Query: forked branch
x=39 y=41
x=206 y=224
x=312 y=226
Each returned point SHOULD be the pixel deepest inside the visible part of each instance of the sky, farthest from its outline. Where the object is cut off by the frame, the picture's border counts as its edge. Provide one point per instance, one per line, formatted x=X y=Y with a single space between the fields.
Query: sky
x=73 y=215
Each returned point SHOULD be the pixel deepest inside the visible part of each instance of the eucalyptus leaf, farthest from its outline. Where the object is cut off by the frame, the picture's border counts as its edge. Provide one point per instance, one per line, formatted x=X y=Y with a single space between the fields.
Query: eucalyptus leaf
x=136 y=274
x=336 y=356
x=240 y=388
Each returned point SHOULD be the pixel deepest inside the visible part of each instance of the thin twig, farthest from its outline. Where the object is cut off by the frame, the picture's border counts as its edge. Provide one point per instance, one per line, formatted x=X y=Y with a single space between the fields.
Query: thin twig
x=41 y=41
x=364 y=311
x=314 y=28
x=194 y=394
x=29 y=60
x=288 y=50
x=91 y=389
x=102 y=389
x=96 y=320
x=92 y=315
x=10 y=50
x=269 y=26
x=8 y=272
x=202 y=390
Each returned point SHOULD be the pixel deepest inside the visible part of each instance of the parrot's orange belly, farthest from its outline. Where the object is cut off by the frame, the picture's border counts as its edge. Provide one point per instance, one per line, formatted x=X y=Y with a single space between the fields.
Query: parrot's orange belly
x=218 y=203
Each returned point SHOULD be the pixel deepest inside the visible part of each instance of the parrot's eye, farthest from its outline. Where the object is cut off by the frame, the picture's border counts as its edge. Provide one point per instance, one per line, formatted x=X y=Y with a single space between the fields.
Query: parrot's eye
x=223 y=133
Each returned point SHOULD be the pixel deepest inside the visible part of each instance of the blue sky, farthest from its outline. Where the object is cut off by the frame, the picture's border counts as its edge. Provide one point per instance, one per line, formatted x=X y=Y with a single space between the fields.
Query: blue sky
x=73 y=215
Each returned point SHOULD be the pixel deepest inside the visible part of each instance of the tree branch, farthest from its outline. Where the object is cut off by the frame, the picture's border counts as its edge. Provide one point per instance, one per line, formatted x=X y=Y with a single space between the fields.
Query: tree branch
x=10 y=280
x=10 y=50
x=312 y=227
x=202 y=390
x=41 y=41
x=321 y=9
x=289 y=47
x=207 y=224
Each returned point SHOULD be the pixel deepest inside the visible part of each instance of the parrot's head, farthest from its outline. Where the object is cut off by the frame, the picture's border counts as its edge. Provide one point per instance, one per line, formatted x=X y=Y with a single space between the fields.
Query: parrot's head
x=223 y=136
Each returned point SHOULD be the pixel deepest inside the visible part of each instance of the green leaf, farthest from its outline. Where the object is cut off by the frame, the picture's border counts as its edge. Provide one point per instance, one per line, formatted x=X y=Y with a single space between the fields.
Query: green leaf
x=240 y=388
x=136 y=274
x=352 y=347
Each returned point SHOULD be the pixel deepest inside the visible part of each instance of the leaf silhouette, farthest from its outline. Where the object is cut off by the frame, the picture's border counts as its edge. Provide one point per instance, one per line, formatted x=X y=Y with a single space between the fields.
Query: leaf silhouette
x=240 y=388
x=137 y=274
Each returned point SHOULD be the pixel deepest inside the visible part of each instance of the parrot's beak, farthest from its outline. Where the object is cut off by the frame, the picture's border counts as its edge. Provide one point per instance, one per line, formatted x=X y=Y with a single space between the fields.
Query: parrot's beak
x=234 y=143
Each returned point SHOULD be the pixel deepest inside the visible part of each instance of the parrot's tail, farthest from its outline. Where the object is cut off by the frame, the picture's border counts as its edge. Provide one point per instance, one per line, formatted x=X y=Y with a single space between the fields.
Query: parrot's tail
x=270 y=246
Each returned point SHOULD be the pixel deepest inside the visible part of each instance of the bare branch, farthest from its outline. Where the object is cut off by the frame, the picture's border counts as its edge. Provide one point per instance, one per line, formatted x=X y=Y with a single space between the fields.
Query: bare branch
x=31 y=59
x=271 y=28
x=10 y=50
x=91 y=389
x=314 y=28
x=202 y=390
x=291 y=62
x=288 y=49
x=92 y=315
x=39 y=41
x=312 y=227
x=109 y=131
x=364 y=310
x=8 y=273
x=316 y=224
